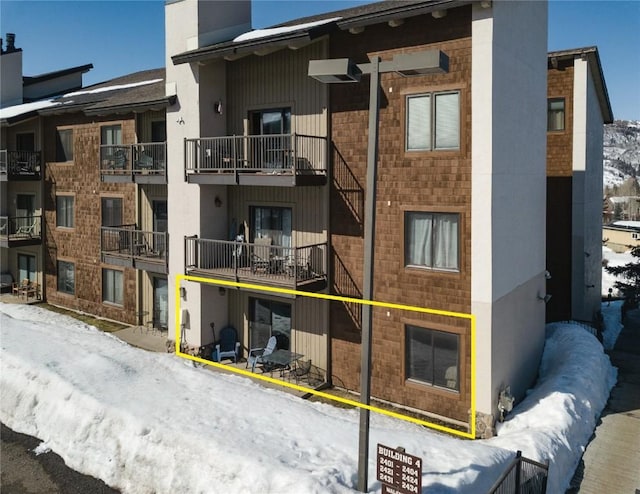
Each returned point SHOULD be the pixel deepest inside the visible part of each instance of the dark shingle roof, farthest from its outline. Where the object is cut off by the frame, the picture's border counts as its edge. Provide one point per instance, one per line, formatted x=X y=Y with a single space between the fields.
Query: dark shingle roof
x=362 y=15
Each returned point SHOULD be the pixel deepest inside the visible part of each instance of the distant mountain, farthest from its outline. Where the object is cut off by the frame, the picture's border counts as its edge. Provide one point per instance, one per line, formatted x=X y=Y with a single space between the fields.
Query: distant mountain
x=621 y=151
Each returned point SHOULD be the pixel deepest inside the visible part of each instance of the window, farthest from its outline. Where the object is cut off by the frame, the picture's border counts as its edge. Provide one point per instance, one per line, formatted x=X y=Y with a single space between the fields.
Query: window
x=66 y=277
x=555 y=114
x=433 y=121
x=431 y=240
x=112 y=286
x=26 y=267
x=111 y=135
x=272 y=222
x=64 y=211
x=268 y=318
x=64 y=145
x=432 y=357
x=270 y=122
x=111 y=211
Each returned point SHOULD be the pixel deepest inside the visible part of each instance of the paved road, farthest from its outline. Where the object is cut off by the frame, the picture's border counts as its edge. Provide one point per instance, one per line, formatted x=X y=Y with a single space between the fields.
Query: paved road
x=25 y=473
x=611 y=463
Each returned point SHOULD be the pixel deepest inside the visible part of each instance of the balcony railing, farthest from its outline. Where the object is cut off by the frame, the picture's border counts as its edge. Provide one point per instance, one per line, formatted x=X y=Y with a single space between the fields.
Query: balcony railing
x=144 y=162
x=127 y=246
x=20 y=165
x=20 y=229
x=295 y=267
x=299 y=157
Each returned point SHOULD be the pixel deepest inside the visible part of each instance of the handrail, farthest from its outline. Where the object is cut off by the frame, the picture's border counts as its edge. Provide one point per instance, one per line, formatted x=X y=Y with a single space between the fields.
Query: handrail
x=133 y=159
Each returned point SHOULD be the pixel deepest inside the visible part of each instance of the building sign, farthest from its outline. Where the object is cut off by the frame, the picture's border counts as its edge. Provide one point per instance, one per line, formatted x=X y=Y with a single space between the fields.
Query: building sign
x=399 y=472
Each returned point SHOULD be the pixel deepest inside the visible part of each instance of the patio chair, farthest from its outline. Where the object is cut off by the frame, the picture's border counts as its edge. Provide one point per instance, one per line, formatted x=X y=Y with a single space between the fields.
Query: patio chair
x=27 y=229
x=19 y=288
x=301 y=370
x=260 y=260
x=256 y=355
x=145 y=162
x=227 y=346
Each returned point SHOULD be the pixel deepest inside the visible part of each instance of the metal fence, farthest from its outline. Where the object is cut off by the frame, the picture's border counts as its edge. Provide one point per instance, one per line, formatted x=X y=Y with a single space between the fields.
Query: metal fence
x=21 y=164
x=283 y=153
x=126 y=241
x=19 y=227
x=522 y=476
x=139 y=158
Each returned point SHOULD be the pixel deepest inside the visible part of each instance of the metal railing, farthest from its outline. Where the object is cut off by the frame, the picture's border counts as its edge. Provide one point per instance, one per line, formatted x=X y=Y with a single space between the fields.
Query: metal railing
x=21 y=164
x=522 y=476
x=283 y=153
x=127 y=241
x=133 y=159
x=20 y=227
x=289 y=266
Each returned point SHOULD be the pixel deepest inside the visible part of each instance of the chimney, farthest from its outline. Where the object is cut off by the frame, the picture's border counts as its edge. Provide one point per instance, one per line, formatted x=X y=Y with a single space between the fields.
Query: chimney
x=11 y=42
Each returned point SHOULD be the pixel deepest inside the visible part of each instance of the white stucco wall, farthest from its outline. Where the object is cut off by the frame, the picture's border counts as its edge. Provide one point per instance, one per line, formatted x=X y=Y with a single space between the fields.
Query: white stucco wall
x=509 y=57
x=190 y=24
x=587 y=195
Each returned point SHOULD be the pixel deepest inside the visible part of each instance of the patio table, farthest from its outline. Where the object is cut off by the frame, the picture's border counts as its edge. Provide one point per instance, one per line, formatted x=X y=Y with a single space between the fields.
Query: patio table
x=280 y=359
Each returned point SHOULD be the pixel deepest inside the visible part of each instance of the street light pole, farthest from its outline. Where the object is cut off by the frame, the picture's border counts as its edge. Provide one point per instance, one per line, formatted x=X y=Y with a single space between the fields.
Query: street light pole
x=367 y=292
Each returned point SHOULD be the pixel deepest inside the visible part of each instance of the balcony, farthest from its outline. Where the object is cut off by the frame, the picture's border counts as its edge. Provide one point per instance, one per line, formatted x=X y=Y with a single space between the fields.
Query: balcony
x=140 y=163
x=20 y=230
x=297 y=268
x=126 y=246
x=285 y=160
x=20 y=165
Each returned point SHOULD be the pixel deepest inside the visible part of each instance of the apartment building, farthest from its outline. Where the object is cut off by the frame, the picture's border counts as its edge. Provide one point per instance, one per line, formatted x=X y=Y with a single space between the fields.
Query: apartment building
x=22 y=165
x=106 y=200
x=578 y=106
x=273 y=186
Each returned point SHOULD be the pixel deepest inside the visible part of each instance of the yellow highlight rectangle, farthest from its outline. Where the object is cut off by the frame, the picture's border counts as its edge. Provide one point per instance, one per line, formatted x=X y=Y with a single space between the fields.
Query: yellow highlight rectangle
x=388 y=305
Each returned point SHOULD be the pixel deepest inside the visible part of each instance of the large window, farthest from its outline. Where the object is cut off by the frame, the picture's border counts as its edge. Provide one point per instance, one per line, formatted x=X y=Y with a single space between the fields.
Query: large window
x=555 y=114
x=432 y=357
x=64 y=211
x=432 y=240
x=112 y=286
x=66 y=277
x=272 y=222
x=433 y=121
x=111 y=211
x=64 y=145
x=268 y=318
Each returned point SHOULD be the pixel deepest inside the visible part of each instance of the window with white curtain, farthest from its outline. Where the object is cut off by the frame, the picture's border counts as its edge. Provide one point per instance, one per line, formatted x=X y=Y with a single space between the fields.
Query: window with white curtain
x=112 y=286
x=64 y=211
x=432 y=240
x=433 y=121
x=272 y=222
x=432 y=357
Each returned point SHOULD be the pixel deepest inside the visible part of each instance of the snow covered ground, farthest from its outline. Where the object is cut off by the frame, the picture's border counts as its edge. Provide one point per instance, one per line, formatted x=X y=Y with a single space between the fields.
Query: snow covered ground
x=146 y=422
x=614 y=259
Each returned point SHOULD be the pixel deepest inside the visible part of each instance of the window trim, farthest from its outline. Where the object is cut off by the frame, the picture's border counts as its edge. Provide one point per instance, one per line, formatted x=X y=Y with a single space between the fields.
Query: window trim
x=73 y=196
x=73 y=263
x=73 y=144
x=463 y=334
x=404 y=211
x=564 y=113
x=432 y=94
x=102 y=296
x=111 y=125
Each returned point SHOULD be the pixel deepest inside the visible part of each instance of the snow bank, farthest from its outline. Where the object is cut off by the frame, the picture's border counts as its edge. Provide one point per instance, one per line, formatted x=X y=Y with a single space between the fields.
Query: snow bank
x=612 y=317
x=146 y=422
x=556 y=420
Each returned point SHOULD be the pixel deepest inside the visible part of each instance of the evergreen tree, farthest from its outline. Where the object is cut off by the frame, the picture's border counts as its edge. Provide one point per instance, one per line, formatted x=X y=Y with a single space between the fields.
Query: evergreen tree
x=629 y=286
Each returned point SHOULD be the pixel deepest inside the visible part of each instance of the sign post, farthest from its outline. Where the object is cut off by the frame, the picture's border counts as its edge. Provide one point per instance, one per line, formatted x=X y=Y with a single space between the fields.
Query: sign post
x=399 y=472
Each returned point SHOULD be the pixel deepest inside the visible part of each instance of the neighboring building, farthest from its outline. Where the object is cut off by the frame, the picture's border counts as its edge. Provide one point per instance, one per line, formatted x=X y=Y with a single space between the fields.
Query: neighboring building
x=621 y=208
x=106 y=200
x=578 y=106
x=22 y=165
x=620 y=236
x=461 y=192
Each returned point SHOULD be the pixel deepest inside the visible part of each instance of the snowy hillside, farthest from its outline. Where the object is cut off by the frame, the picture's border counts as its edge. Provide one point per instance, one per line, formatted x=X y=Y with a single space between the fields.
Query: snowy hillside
x=621 y=151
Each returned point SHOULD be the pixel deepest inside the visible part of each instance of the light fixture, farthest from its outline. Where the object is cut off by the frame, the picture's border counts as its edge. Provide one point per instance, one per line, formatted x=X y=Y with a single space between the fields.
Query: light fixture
x=547 y=275
x=222 y=291
x=217 y=201
x=544 y=298
x=183 y=292
x=334 y=70
x=217 y=107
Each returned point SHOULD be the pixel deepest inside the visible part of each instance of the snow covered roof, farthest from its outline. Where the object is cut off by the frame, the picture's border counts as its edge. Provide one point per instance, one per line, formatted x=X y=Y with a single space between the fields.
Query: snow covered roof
x=627 y=224
x=25 y=110
x=298 y=32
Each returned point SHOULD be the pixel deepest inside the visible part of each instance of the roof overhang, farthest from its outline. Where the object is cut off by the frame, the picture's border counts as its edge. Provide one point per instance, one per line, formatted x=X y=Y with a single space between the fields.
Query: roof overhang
x=154 y=105
x=81 y=69
x=589 y=53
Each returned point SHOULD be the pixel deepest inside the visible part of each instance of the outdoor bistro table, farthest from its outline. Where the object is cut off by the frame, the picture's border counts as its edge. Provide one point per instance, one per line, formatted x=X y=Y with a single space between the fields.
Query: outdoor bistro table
x=281 y=359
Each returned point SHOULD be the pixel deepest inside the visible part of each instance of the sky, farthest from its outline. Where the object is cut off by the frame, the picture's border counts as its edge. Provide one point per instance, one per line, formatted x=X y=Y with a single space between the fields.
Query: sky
x=153 y=422
x=120 y=37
